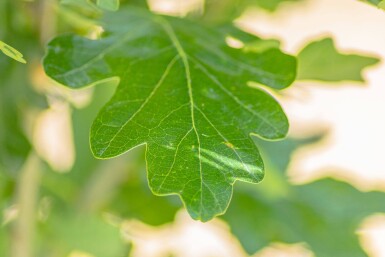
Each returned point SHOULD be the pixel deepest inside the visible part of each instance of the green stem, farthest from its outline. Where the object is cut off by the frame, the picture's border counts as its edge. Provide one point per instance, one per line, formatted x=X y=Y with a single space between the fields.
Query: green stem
x=23 y=229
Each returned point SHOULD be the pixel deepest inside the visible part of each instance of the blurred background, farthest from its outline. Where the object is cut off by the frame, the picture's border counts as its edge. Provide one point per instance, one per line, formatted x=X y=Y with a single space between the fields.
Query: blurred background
x=323 y=194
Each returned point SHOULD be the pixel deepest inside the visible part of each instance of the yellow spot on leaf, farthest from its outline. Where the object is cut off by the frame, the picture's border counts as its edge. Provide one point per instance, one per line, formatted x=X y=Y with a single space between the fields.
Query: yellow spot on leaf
x=229 y=145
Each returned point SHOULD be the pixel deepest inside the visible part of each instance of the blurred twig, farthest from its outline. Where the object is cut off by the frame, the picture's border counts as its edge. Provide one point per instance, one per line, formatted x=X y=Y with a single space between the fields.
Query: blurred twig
x=48 y=20
x=23 y=229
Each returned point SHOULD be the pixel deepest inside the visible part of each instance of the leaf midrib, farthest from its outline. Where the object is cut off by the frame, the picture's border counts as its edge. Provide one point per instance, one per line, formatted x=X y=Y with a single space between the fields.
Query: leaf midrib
x=174 y=39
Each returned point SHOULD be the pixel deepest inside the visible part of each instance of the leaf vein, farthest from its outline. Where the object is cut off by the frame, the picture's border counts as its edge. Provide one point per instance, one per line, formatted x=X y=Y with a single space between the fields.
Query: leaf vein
x=152 y=93
x=232 y=96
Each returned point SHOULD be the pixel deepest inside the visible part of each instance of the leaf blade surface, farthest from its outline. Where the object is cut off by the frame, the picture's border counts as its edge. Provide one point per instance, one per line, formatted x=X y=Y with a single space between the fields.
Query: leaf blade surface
x=183 y=93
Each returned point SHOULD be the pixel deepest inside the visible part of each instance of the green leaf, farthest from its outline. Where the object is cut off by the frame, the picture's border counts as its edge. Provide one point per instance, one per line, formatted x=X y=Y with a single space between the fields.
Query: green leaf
x=320 y=60
x=250 y=42
x=12 y=52
x=68 y=232
x=183 y=92
x=381 y=4
x=144 y=206
x=272 y=5
x=16 y=96
x=307 y=215
x=7 y=185
x=224 y=11
x=376 y=2
x=14 y=146
x=110 y=5
x=117 y=186
x=324 y=214
x=4 y=242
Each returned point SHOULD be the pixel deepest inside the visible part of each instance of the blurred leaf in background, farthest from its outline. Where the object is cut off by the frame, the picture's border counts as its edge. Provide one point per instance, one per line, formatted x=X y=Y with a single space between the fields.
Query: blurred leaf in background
x=134 y=200
x=12 y=52
x=379 y=3
x=324 y=214
x=4 y=242
x=86 y=233
x=226 y=11
x=374 y=1
x=320 y=60
x=109 y=5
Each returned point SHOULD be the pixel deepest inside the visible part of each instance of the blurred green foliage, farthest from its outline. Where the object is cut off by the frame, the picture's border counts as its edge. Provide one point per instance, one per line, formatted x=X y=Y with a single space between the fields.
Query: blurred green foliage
x=110 y=5
x=320 y=60
x=17 y=97
x=378 y=3
x=83 y=233
x=225 y=11
x=11 y=52
x=72 y=206
x=324 y=214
